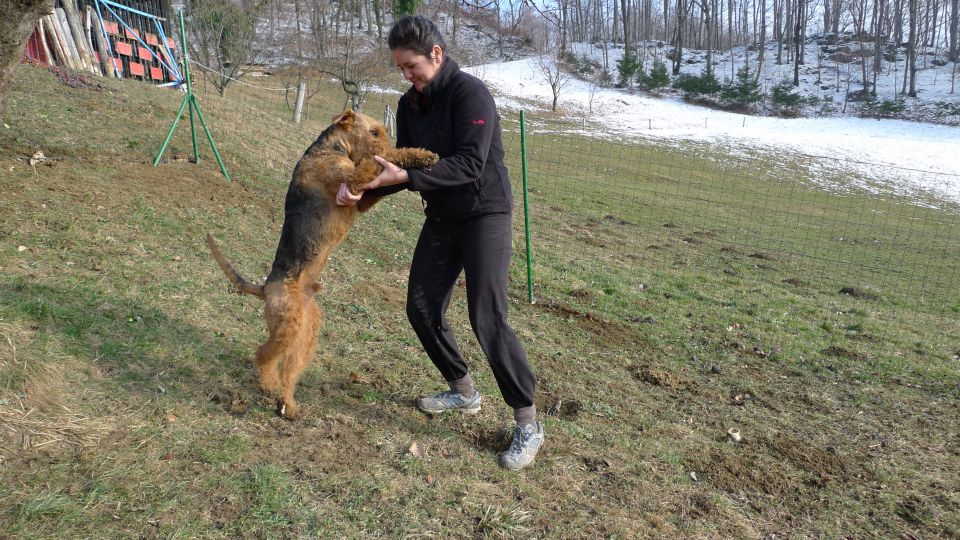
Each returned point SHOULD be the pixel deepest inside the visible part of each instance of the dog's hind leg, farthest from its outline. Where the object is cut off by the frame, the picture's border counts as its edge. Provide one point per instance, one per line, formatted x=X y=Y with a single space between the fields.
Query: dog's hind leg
x=304 y=347
x=268 y=356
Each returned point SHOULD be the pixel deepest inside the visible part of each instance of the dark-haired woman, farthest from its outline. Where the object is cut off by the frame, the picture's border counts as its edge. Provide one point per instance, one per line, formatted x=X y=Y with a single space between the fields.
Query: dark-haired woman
x=467 y=228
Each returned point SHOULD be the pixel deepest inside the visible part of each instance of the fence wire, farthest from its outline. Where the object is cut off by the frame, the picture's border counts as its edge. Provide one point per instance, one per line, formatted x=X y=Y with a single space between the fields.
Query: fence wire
x=837 y=225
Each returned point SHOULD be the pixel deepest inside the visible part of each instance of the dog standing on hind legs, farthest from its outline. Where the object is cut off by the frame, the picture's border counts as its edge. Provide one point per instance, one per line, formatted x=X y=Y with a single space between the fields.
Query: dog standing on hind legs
x=313 y=226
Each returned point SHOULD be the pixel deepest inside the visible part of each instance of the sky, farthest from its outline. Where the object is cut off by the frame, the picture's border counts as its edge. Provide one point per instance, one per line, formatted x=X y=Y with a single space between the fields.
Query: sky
x=875 y=145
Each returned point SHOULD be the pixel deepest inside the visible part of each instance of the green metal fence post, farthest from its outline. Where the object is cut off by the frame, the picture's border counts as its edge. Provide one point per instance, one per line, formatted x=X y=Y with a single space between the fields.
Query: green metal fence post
x=526 y=205
x=190 y=100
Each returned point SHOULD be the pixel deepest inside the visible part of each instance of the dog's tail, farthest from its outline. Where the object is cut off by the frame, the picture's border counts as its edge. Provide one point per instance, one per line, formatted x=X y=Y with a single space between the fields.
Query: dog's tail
x=243 y=286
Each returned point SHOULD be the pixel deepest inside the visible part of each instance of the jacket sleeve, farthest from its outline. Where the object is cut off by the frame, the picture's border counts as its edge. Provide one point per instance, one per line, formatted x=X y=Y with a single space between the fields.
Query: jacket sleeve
x=473 y=118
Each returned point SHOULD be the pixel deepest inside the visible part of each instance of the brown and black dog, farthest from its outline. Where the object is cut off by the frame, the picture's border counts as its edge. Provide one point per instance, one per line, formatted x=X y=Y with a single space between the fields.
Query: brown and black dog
x=313 y=226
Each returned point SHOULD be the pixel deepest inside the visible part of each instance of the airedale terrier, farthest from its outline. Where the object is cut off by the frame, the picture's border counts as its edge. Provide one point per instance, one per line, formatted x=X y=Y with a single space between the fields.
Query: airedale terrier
x=313 y=226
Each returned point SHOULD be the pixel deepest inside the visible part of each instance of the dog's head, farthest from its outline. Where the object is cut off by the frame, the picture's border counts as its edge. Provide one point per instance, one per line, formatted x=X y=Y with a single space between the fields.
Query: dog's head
x=359 y=135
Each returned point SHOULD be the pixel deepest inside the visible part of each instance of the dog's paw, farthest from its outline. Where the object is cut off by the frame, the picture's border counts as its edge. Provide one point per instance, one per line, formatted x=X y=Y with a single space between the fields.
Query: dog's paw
x=288 y=410
x=414 y=158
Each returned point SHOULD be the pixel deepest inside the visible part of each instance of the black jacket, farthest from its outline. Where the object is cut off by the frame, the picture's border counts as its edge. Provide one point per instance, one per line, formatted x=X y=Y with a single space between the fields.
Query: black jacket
x=457 y=118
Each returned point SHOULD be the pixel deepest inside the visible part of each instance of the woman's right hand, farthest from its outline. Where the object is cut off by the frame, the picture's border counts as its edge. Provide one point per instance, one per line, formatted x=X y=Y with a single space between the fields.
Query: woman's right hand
x=345 y=197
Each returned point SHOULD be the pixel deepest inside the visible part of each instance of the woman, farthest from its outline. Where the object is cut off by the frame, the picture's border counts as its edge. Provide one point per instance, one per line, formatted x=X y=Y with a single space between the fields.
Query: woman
x=468 y=209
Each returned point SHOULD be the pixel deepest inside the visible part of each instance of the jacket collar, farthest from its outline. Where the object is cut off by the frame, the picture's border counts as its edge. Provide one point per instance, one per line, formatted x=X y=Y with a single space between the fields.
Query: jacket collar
x=420 y=101
x=442 y=79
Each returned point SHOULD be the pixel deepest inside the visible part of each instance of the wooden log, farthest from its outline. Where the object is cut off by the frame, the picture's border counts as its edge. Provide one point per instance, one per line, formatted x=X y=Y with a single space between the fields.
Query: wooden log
x=88 y=40
x=66 y=39
x=63 y=51
x=106 y=61
x=79 y=39
x=41 y=33
x=57 y=58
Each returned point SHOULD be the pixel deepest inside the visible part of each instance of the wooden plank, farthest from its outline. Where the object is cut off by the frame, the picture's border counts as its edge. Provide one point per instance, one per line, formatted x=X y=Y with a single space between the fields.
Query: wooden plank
x=123 y=48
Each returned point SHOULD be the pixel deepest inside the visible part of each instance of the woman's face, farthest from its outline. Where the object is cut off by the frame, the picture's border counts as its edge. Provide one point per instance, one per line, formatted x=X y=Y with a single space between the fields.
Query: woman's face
x=418 y=69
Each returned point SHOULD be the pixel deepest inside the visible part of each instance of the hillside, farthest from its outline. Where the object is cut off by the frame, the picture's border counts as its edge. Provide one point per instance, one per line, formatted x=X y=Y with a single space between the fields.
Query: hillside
x=128 y=405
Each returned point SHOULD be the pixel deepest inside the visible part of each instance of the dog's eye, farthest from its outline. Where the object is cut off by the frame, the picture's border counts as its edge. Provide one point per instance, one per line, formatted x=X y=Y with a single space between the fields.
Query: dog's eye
x=375 y=132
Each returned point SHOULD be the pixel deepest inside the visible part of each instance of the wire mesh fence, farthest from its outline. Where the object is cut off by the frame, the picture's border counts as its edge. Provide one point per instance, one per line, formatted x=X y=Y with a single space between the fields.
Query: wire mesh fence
x=857 y=227
x=863 y=228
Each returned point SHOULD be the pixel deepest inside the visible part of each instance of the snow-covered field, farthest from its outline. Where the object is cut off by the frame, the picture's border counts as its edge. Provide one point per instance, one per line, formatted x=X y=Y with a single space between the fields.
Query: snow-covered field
x=872 y=147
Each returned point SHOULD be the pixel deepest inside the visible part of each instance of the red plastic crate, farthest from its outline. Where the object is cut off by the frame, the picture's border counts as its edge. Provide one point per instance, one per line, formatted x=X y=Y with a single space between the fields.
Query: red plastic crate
x=136 y=68
x=131 y=34
x=112 y=27
x=144 y=54
x=156 y=74
x=124 y=48
x=151 y=39
x=171 y=43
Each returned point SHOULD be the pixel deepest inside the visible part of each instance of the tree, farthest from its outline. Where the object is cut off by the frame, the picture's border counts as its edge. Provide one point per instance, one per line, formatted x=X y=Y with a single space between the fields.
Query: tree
x=657 y=78
x=744 y=90
x=555 y=76
x=222 y=33
x=17 y=20
x=402 y=8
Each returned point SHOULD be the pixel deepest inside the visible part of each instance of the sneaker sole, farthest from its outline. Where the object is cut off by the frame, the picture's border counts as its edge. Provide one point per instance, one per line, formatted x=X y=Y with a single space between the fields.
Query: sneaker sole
x=441 y=411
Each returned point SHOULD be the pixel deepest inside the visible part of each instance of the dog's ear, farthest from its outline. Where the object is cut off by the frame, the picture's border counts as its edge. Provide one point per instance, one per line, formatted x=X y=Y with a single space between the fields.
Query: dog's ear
x=345 y=119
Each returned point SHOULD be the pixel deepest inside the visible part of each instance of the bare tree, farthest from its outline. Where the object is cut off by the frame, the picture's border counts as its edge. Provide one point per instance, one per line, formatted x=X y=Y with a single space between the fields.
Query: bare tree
x=222 y=33
x=555 y=76
x=356 y=68
x=17 y=20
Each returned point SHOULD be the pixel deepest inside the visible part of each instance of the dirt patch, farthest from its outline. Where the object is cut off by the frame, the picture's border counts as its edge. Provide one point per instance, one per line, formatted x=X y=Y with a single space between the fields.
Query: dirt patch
x=658 y=377
x=581 y=294
x=747 y=470
x=566 y=409
x=614 y=333
x=822 y=463
x=490 y=439
x=840 y=352
x=858 y=293
x=762 y=256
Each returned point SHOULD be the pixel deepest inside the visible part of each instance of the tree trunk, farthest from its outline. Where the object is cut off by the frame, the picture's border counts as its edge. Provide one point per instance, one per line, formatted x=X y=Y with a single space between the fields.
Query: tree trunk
x=18 y=18
x=798 y=51
x=954 y=20
x=912 y=49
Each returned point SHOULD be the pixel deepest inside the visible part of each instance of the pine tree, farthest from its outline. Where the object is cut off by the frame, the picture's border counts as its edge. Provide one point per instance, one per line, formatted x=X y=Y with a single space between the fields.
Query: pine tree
x=658 y=77
x=744 y=90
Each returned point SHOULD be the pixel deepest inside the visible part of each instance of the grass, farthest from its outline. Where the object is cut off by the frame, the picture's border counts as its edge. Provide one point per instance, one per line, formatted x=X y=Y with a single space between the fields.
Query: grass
x=128 y=406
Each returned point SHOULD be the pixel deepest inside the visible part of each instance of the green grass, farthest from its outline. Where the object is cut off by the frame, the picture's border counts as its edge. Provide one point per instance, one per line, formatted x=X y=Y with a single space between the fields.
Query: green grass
x=128 y=406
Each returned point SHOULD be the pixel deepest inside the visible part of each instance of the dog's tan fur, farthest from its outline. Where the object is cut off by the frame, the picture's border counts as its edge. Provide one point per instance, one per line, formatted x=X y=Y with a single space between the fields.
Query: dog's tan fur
x=313 y=226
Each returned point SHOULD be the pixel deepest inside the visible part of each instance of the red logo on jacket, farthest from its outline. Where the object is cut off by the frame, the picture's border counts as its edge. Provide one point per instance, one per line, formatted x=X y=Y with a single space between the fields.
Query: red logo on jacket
x=479 y=122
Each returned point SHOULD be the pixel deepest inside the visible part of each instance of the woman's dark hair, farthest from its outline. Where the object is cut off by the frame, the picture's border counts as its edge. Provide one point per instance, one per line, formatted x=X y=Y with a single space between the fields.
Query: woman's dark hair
x=416 y=33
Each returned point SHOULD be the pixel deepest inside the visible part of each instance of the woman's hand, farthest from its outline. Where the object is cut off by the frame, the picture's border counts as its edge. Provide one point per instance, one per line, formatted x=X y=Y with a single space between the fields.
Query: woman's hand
x=391 y=175
x=345 y=197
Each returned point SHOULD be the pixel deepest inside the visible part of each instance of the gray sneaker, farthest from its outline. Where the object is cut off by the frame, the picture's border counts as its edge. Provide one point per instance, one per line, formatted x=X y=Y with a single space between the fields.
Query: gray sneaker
x=526 y=443
x=450 y=401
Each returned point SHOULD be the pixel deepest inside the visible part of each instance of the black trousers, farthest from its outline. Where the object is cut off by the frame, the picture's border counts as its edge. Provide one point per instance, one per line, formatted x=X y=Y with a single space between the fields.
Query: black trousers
x=481 y=248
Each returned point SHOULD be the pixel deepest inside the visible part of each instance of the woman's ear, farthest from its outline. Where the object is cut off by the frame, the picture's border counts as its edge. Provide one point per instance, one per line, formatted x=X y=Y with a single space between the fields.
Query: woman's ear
x=436 y=54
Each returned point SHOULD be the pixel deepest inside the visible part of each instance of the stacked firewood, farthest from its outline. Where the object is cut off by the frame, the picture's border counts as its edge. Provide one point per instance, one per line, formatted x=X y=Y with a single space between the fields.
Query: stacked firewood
x=72 y=38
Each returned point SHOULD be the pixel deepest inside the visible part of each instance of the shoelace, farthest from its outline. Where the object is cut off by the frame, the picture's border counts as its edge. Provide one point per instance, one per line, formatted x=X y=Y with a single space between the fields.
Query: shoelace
x=519 y=439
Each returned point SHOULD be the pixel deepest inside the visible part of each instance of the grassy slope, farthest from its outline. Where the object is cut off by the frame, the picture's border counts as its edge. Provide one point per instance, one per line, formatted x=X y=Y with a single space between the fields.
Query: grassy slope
x=128 y=406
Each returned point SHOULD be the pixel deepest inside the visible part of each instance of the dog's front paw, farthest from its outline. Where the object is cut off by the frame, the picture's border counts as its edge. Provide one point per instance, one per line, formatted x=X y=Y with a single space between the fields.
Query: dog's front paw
x=414 y=158
x=288 y=410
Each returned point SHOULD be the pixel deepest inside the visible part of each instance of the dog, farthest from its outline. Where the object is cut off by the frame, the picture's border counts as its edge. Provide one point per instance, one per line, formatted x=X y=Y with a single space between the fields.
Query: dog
x=313 y=226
